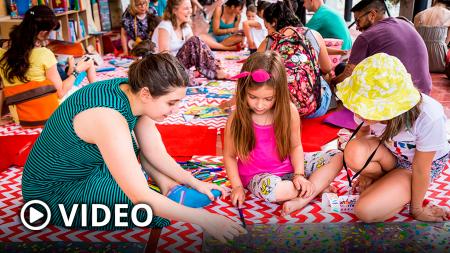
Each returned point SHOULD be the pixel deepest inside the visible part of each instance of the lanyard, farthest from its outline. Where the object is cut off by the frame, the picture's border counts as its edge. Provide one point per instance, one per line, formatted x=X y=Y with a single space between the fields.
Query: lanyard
x=367 y=162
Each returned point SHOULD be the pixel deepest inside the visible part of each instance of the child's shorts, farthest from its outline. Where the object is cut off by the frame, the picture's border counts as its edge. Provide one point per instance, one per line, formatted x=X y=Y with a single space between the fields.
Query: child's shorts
x=437 y=166
x=263 y=185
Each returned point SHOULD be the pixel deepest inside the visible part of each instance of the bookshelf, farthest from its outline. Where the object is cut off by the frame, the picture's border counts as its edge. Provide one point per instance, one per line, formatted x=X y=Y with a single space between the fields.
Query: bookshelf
x=73 y=23
x=73 y=26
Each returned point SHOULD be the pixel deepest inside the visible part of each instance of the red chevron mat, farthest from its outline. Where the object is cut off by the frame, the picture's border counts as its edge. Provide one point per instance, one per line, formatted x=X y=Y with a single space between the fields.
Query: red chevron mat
x=12 y=230
x=180 y=235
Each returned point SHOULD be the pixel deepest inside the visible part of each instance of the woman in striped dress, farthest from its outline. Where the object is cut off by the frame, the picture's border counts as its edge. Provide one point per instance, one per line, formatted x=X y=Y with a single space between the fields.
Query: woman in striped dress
x=87 y=153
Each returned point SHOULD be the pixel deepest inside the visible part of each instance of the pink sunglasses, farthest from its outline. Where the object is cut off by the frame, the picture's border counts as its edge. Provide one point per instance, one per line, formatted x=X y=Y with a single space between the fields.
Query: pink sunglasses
x=259 y=75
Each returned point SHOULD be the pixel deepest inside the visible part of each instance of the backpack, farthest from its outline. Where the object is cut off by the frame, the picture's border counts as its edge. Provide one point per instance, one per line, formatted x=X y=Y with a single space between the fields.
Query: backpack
x=301 y=62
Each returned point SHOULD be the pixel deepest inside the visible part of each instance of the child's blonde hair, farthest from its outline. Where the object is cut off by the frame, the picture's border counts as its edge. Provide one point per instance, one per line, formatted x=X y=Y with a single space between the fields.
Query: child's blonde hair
x=403 y=121
x=242 y=125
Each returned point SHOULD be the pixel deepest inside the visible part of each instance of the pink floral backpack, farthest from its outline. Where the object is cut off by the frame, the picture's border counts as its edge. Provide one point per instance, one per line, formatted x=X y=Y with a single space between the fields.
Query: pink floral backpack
x=301 y=62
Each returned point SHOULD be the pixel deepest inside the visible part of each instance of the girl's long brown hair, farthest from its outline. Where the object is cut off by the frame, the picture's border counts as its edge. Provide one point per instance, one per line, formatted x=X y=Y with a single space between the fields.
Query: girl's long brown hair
x=242 y=124
x=403 y=121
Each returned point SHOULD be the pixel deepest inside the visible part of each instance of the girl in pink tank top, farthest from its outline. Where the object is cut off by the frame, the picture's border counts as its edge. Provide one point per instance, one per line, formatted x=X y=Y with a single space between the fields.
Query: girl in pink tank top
x=263 y=150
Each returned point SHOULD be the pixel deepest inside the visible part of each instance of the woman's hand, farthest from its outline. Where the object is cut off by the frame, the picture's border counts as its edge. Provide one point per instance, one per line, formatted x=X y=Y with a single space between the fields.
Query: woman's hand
x=84 y=64
x=206 y=188
x=430 y=212
x=303 y=185
x=233 y=30
x=238 y=196
x=222 y=228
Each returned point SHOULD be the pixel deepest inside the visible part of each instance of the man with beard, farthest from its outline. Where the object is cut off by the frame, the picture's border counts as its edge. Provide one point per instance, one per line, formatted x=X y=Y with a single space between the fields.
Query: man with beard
x=394 y=36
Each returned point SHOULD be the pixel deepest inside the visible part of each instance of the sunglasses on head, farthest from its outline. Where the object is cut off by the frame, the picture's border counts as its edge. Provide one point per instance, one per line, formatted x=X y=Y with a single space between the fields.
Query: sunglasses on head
x=259 y=75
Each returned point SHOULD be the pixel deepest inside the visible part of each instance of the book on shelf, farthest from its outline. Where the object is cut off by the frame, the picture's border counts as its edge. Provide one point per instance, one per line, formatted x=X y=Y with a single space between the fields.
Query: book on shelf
x=72 y=30
x=82 y=29
x=57 y=35
x=60 y=6
x=74 y=5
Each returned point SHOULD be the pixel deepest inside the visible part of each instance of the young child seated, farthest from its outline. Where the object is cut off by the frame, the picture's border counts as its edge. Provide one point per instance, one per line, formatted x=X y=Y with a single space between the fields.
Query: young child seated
x=253 y=27
x=263 y=150
x=400 y=144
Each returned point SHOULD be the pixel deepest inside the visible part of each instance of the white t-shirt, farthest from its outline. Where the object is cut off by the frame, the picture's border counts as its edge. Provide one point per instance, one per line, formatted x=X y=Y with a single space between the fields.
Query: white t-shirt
x=174 y=42
x=427 y=134
x=258 y=35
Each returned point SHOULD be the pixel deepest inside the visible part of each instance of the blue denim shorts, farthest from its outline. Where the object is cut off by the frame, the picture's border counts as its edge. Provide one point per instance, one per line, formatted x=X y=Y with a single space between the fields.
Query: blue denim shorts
x=325 y=101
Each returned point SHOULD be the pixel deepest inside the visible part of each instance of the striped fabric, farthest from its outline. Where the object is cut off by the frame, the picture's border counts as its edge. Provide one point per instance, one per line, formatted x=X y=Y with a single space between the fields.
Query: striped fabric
x=63 y=169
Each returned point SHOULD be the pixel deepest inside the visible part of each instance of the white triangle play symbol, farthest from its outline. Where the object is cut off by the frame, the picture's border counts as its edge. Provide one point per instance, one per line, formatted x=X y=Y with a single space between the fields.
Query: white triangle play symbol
x=35 y=215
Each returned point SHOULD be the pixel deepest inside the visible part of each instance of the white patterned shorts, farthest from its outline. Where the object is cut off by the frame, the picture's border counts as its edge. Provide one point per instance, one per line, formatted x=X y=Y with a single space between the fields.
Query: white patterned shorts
x=437 y=166
x=263 y=185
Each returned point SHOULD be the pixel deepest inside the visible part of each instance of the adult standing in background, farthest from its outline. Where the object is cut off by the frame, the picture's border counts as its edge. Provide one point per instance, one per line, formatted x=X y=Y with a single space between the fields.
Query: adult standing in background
x=433 y=25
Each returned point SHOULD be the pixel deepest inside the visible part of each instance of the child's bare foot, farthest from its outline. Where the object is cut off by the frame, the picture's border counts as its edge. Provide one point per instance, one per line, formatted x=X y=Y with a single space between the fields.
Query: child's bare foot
x=293 y=205
x=4 y=122
x=363 y=182
x=220 y=74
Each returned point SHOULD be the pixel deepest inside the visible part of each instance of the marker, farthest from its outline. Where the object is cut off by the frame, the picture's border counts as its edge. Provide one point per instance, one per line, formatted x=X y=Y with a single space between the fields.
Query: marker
x=241 y=215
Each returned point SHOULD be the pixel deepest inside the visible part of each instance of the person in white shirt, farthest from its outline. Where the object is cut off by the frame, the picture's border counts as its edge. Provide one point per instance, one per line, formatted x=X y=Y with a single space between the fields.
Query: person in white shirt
x=253 y=27
x=174 y=35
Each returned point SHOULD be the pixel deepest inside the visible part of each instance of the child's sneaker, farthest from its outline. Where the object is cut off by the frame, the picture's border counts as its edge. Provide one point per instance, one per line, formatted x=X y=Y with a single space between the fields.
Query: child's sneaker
x=190 y=197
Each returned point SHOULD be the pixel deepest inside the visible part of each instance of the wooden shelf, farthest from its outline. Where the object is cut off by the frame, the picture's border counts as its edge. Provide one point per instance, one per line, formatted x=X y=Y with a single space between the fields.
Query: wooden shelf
x=79 y=17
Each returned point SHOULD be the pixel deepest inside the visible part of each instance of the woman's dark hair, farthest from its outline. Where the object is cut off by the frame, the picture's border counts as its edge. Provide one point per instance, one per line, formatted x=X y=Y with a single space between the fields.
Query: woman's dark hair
x=446 y=2
x=282 y=15
x=236 y=3
x=159 y=73
x=262 y=5
x=15 y=62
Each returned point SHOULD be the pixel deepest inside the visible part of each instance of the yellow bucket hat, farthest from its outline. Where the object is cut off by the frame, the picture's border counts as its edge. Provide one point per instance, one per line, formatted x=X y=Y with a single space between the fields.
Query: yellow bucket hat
x=379 y=88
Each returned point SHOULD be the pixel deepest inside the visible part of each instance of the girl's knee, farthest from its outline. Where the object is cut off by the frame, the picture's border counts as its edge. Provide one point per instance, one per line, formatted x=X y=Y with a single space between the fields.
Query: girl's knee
x=356 y=153
x=337 y=160
x=285 y=190
x=364 y=213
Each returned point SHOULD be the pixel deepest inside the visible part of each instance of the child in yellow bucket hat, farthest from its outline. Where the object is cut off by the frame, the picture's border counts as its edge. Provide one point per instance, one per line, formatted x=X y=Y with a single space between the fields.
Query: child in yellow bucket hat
x=411 y=127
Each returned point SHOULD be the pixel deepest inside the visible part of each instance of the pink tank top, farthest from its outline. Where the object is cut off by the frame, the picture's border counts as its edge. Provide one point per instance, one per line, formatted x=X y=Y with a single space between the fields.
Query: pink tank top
x=264 y=157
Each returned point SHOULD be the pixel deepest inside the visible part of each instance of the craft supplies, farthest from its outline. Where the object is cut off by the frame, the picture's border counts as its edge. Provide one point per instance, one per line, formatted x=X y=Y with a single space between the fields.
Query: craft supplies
x=332 y=203
x=241 y=216
x=205 y=112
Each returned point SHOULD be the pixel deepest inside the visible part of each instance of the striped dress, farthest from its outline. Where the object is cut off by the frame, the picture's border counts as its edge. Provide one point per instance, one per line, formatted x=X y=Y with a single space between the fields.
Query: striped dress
x=63 y=169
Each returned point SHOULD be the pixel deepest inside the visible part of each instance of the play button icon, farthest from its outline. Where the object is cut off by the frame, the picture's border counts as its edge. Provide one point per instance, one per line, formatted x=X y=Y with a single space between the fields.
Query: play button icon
x=36 y=219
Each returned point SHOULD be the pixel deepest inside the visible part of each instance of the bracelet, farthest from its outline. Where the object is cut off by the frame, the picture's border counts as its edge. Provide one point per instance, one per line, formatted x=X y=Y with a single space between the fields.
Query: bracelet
x=239 y=186
x=75 y=73
x=299 y=174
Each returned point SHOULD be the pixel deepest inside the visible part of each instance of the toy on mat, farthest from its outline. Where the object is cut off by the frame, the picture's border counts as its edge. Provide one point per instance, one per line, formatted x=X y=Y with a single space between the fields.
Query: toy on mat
x=332 y=203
